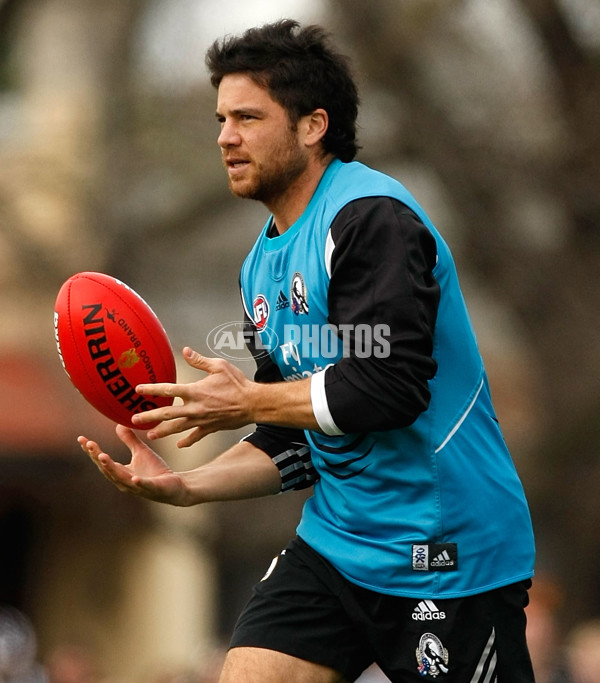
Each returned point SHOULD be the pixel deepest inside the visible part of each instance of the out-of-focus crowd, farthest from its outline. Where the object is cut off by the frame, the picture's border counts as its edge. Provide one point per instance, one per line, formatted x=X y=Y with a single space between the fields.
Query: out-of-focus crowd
x=558 y=657
x=76 y=662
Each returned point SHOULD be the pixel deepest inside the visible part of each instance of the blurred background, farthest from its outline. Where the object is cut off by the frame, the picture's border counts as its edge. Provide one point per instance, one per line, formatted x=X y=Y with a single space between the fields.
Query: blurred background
x=487 y=110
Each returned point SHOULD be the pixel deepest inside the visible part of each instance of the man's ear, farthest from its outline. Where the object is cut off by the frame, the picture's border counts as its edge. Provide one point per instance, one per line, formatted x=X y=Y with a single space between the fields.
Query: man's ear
x=314 y=126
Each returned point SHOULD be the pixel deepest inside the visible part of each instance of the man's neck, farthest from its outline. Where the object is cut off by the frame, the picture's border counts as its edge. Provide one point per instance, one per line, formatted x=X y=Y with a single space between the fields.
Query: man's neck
x=287 y=208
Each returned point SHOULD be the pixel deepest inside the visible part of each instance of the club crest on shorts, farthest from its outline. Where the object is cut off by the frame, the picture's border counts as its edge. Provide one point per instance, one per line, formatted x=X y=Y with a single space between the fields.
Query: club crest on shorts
x=299 y=295
x=432 y=656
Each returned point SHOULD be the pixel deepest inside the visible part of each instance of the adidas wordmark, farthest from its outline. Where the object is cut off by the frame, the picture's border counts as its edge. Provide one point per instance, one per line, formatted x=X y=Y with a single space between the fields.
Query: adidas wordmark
x=427 y=610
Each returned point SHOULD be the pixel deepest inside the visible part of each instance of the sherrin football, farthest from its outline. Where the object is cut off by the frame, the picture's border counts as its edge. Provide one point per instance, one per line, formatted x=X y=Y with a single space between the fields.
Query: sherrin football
x=109 y=340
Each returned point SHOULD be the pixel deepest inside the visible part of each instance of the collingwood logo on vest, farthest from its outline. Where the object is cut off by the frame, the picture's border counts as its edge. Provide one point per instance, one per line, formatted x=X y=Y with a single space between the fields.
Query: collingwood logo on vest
x=299 y=295
x=434 y=557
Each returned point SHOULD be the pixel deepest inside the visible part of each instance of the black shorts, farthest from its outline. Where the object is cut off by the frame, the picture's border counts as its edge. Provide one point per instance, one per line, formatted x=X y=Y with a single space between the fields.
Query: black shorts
x=305 y=608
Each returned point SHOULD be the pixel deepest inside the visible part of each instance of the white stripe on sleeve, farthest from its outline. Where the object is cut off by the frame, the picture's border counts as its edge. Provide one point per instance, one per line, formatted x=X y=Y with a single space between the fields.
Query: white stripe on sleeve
x=329 y=247
x=320 y=407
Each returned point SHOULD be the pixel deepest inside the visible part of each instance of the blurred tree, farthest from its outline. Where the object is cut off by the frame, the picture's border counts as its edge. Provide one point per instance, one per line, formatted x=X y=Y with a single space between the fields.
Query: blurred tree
x=65 y=90
x=526 y=197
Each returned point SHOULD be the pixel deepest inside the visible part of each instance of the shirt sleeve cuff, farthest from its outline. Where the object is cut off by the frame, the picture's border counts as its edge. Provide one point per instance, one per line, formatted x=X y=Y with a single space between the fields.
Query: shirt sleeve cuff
x=320 y=407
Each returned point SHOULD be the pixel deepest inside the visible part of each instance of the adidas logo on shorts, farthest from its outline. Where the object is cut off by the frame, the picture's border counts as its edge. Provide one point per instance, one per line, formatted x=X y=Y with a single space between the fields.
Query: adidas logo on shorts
x=427 y=610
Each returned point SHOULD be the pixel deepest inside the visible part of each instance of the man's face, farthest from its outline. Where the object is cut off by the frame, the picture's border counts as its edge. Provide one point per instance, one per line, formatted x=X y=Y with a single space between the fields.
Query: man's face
x=261 y=149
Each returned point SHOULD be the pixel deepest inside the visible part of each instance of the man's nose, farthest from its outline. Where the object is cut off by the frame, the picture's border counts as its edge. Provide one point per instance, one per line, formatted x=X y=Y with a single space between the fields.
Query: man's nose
x=229 y=136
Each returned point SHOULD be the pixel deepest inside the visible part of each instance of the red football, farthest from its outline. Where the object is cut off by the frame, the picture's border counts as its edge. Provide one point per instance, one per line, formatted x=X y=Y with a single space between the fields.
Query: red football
x=109 y=340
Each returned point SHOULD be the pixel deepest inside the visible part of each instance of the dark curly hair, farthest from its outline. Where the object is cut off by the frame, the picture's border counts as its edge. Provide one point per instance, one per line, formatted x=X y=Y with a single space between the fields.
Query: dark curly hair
x=301 y=70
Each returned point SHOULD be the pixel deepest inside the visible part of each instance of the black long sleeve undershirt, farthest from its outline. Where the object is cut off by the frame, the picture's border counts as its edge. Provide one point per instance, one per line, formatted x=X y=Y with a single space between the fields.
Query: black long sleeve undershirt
x=381 y=274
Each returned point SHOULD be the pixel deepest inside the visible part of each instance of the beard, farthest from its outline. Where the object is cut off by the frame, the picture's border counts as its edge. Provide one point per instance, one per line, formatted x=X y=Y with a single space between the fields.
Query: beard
x=273 y=182
x=270 y=180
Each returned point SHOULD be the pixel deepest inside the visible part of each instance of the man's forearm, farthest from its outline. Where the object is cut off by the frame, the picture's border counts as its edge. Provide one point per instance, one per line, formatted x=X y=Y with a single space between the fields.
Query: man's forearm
x=243 y=471
x=287 y=404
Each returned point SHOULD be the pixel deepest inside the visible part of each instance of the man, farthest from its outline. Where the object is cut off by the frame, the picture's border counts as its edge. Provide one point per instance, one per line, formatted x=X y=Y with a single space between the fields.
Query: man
x=415 y=550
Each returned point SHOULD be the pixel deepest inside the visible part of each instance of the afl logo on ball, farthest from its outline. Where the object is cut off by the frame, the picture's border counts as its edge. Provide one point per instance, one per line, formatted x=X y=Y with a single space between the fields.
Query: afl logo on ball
x=260 y=312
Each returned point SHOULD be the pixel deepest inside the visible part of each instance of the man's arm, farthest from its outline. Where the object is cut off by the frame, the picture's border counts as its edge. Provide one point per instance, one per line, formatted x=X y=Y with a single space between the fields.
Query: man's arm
x=243 y=471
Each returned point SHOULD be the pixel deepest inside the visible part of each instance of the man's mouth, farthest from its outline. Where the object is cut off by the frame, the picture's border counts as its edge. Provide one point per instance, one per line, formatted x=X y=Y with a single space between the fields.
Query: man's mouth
x=236 y=164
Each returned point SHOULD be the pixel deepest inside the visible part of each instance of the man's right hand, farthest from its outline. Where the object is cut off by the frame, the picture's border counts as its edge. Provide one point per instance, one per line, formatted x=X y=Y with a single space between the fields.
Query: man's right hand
x=147 y=475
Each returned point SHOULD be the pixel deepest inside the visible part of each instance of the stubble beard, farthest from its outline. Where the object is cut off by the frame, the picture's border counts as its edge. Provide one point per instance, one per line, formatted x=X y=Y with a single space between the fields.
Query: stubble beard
x=273 y=181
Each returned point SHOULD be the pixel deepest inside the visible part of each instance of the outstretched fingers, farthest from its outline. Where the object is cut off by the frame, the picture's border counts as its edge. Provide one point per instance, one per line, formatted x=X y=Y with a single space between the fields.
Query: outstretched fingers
x=219 y=401
x=92 y=449
x=172 y=390
x=114 y=471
